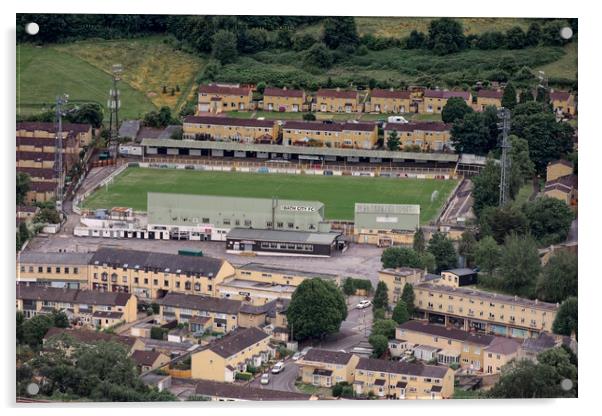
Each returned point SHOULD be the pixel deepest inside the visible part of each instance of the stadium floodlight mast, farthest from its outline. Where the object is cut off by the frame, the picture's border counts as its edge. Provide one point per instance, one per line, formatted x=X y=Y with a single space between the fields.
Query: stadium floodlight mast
x=61 y=101
x=114 y=104
x=505 y=161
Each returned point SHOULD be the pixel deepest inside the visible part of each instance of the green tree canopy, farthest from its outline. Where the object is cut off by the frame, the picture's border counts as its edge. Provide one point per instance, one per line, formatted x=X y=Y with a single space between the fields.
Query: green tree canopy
x=443 y=249
x=519 y=154
x=401 y=313
x=467 y=247
x=549 y=220
x=381 y=296
x=224 y=46
x=317 y=309
x=509 y=97
x=419 y=242
x=340 y=31
x=558 y=279
x=380 y=345
x=385 y=327
x=519 y=265
x=88 y=113
x=408 y=296
x=565 y=322
x=476 y=133
x=445 y=36
x=455 y=109
x=23 y=186
x=393 y=141
x=488 y=254
x=159 y=119
x=318 y=56
x=499 y=222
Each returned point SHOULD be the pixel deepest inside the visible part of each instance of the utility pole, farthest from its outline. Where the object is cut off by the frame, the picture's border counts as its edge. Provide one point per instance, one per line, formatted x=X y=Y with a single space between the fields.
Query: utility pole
x=61 y=100
x=114 y=104
x=505 y=162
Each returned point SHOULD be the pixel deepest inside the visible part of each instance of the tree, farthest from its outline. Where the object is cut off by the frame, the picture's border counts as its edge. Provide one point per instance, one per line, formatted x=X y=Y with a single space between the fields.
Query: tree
x=23 y=186
x=252 y=40
x=317 y=309
x=340 y=31
x=309 y=116
x=159 y=119
x=35 y=328
x=157 y=332
x=565 y=322
x=419 y=242
x=60 y=319
x=408 y=297
x=516 y=38
x=20 y=321
x=443 y=249
x=476 y=133
x=416 y=40
x=445 y=36
x=499 y=222
x=519 y=155
x=549 y=220
x=509 y=97
x=486 y=187
x=467 y=247
x=558 y=279
x=23 y=235
x=224 y=47
x=393 y=141
x=491 y=40
x=487 y=255
x=385 y=327
x=393 y=257
x=533 y=35
x=401 y=313
x=519 y=265
x=348 y=287
x=455 y=109
x=379 y=343
x=318 y=56
x=88 y=113
x=381 y=296
x=48 y=216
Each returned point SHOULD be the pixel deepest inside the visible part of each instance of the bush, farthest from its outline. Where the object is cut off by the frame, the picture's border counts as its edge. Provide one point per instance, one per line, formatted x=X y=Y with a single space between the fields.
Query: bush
x=244 y=376
x=342 y=389
x=158 y=332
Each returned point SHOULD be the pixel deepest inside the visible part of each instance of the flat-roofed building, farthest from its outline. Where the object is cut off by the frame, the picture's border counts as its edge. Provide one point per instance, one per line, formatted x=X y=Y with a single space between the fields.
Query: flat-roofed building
x=435 y=100
x=150 y=275
x=88 y=308
x=389 y=101
x=346 y=135
x=283 y=100
x=425 y=135
x=267 y=273
x=457 y=277
x=385 y=224
x=280 y=242
x=397 y=278
x=207 y=217
x=485 y=312
x=230 y=129
x=223 y=358
x=402 y=380
x=337 y=101
x=326 y=368
x=216 y=98
x=221 y=314
x=69 y=270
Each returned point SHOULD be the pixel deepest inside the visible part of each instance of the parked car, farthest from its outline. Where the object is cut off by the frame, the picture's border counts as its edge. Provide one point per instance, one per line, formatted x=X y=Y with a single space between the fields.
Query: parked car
x=265 y=378
x=364 y=304
x=297 y=355
x=278 y=367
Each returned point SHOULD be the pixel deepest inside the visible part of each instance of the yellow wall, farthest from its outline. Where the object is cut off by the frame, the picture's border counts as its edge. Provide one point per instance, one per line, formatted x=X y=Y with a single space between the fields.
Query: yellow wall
x=229 y=102
x=484 y=102
x=417 y=387
x=337 y=139
x=395 y=282
x=344 y=372
x=54 y=273
x=231 y=320
x=289 y=103
x=243 y=133
x=433 y=140
x=557 y=170
x=388 y=105
x=337 y=105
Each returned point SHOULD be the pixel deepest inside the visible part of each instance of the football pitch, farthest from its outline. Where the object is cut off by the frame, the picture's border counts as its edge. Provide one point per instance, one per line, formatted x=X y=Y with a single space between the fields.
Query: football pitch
x=338 y=193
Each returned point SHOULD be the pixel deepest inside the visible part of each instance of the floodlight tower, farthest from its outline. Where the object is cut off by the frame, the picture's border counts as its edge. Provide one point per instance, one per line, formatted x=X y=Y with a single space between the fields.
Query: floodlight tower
x=114 y=104
x=61 y=101
x=506 y=161
x=543 y=83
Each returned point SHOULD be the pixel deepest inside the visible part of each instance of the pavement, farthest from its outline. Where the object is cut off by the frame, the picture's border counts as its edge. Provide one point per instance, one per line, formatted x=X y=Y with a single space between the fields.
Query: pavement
x=283 y=381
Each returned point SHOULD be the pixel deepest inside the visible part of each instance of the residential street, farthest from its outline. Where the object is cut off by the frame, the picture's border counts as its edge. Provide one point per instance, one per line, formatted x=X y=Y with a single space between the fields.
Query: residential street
x=285 y=381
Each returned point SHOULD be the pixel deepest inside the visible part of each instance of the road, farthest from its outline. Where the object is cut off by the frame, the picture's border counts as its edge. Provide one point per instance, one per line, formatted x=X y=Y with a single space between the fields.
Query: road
x=284 y=381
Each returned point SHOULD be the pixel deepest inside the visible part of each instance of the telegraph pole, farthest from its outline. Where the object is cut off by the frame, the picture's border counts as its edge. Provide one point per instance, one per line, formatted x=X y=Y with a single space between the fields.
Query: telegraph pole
x=114 y=104
x=504 y=126
x=61 y=100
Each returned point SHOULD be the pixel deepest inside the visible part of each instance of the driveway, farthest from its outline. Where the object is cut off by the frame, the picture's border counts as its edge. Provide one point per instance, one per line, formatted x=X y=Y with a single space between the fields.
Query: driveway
x=284 y=381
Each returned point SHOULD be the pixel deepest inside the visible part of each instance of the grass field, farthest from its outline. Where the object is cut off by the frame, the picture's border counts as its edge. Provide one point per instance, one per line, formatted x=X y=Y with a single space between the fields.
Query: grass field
x=339 y=194
x=565 y=67
x=44 y=72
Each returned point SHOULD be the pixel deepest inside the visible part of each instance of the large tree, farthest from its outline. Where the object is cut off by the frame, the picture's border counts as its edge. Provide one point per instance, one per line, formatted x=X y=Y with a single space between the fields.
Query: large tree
x=406 y=257
x=381 y=296
x=340 y=31
x=476 y=133
x=455 y=109
x=499 y=222
x=393 y=141
x=419 y=242
x=401 y=313
x=558 y=279
x=445 y=36
x=23 y=186
x=408 y=296
x=565 y=322
x=519 y=155
x=487 y=255
x=89 y=113
x=467 y=247
x=509 y=97
x=317 y=309
x=549 y=220
x=519 y=265
x=224 y=46
x=443 y=249
x=318 y=56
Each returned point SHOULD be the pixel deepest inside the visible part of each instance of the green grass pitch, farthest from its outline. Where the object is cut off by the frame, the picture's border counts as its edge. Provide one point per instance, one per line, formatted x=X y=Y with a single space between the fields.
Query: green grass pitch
x=338 y=193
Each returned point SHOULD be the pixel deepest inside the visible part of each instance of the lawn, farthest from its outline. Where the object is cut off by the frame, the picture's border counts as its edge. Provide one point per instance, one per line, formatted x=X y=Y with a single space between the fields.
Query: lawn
x=44 y=72
x=339 y=194
x=565 y=67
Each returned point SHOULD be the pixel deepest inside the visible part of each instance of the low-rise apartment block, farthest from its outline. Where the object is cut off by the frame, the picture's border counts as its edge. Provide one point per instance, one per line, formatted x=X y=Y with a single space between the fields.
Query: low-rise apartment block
x=68 y=270
x=222 y=359
x=396 y=279
x=337 y=101
x=218 y=98
x=402 y=380
x=82 y=307
x=389 y=101
x=326 y=368
x=283 y=100
x=337 y=135
x=426 y=135
x=230 y=129
x=200 y=312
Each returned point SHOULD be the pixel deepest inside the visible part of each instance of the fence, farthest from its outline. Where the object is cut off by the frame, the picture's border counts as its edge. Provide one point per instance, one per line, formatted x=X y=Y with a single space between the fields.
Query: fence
x=78 y=200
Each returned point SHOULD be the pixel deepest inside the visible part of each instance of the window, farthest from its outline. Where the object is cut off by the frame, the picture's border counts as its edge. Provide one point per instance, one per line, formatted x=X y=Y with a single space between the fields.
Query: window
x=40 y=269
x=48 y=269
x=66 y=270
x=58 y=269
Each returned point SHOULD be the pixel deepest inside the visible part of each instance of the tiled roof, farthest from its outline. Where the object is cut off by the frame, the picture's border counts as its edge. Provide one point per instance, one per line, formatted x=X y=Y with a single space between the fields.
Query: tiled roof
x=90 y=297
x=229 y=121
x=337 y=94
x=48 y=258
x=379 y=93
x=320 y=126
x=422 y=126
x=452 y=333
x=501 y=345
x=43 y=186
x=223 y=90
x=281 y=92
x=237 y=340
x=146 y=358
x=461 y=272
x=88 y=336
x=560 y=95
x=45 y=173
x=490 y=94
x=51 y=127
x=265 y=268
x=397 y=367
x=235 y=391
x=26 y=208
x=327 y=356
x=201 y=303
x=446 y=94
x=569 y=181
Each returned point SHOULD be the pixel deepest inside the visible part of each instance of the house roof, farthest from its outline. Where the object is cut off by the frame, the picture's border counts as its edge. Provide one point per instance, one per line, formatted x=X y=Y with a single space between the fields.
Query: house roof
x=401 y=271
x=201 y=303
x=560 y=95
x=237 y=340
x=490 y=94
x=229 y=121
x=570 y=181
x=281 y=92
x=52 y=127
x=380 y=93
x=397 y=367
x=264 y=268
x=461 y=271
x=282 y=235
x=145 y=358
x=89 y=297
x=327 y=356
x=268 y=308
x=129 y=128
x=223 y=90
x=337 y=94
x=43 y=186
x=321 y=126
x=446 y=94
x=418 y=126
x=235 y=391
x=446 y=332
x=46 y=258
x=502 y=345
x=45 y=173
x=27 y=208
x=205 y=266
x=107 y=315
x=369 y=208
x=88 y=336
